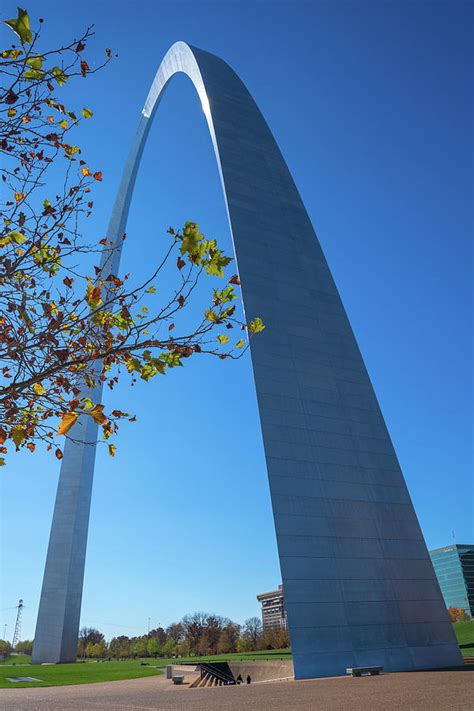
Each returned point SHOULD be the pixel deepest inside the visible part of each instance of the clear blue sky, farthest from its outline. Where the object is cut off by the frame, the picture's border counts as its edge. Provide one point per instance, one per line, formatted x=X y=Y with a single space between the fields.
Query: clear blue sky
x=371 y=105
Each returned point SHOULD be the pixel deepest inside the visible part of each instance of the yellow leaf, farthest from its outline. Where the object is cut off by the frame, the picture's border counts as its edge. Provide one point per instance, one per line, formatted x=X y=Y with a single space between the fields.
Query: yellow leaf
x=16 y=237
x=112 y=449
x=38 y=389
x=67 y=422
x=64 y=124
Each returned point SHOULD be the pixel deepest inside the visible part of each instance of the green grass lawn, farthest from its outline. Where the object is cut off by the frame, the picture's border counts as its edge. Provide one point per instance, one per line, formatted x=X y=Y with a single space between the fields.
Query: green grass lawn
x=465 y=636
x=61 y=674
x=16 y=660
x=92 y=671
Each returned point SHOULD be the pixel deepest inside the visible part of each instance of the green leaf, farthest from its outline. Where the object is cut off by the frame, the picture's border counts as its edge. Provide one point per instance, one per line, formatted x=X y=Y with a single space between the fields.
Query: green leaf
x=171 y=359
x=35 y=62
x=87 y=113
x=21 y=26
x=256 y=325
x=225 y=295
x=71 y=150
x=217 y=261
x=60 y=76
x=223 y=338
x=33 y=74
x=211 y=315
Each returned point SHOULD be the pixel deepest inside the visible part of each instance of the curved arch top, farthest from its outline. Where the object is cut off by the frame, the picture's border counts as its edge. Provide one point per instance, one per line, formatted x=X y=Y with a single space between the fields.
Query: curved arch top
x=359 y=586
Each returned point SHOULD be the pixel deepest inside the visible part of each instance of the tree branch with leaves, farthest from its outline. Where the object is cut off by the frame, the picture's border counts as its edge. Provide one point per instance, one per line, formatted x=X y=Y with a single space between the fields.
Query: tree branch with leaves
x=68 y=328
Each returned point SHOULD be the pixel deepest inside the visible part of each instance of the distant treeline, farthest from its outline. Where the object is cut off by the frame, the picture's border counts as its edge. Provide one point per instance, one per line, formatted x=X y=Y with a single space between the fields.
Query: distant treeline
x=196 y=634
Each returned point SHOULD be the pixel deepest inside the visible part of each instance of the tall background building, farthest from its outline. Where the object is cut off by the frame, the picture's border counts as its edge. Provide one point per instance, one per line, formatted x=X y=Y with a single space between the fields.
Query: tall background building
x=273 y=609
x=454 y=568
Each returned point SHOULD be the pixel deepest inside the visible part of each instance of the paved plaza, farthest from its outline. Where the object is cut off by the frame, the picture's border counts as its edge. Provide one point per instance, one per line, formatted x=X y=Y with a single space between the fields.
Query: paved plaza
x=423 y=691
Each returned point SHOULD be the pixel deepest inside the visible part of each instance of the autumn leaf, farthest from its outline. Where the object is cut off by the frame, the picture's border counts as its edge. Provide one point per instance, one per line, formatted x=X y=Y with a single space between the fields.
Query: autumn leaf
x=15 y=237
x=223 y=338
x=112 y=449
x=87 y=113
x=210 y=315
x=84 y=68
x=93 y=296
x=38 y=389
x=67 y=421
x=11 y=53
x=97 y=414
x=240 y=343
x=98 y=175
x=11 y=97
x=59 y=454
x=234 y=280
x=18 y=435
x=19 y=196
x=31 y=446
x=64 y=124
x=85 y=171
x=256 y=325
x=21 y=26
x=180 y=262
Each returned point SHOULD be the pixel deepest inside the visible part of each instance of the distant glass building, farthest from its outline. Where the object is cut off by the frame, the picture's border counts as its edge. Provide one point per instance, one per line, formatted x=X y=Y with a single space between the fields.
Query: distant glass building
x=273 y=609
x=454 y=568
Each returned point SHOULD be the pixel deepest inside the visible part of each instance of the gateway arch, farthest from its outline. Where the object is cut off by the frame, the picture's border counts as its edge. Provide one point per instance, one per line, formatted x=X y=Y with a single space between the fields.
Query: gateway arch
x=359 y=585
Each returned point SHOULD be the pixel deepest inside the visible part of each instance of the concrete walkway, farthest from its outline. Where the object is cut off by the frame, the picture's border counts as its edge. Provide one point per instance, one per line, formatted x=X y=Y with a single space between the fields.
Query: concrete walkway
x=420 y=691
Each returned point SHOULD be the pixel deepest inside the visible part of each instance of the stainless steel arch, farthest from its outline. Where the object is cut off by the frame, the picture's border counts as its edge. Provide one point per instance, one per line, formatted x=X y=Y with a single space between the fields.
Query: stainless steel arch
x=359 y=585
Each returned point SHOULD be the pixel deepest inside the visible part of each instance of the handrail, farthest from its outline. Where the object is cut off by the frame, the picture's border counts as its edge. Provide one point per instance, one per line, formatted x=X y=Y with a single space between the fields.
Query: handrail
x=218 y=673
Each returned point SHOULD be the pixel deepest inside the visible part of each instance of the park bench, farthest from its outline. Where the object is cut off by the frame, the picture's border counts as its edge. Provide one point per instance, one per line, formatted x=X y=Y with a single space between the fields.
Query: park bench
x=178 y=679
x=359 y=671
